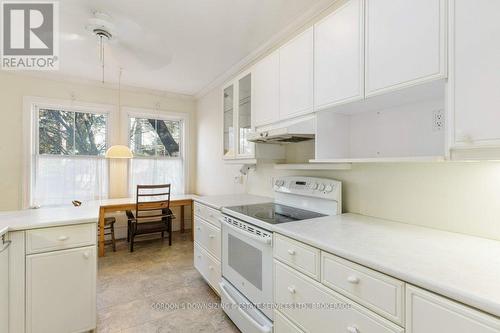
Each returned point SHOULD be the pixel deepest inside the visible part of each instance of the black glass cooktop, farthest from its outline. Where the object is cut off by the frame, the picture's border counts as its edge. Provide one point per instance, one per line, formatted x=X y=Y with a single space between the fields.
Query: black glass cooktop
x=274 y=213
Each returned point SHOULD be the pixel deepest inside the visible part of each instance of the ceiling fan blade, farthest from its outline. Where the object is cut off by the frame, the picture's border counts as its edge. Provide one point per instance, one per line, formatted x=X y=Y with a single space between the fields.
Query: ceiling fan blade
x=139 y=57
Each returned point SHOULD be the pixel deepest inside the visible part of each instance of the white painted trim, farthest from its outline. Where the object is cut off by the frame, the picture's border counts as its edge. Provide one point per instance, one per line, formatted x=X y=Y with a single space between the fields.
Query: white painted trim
x=32 y=104
x=165 y=115
x=274 y=42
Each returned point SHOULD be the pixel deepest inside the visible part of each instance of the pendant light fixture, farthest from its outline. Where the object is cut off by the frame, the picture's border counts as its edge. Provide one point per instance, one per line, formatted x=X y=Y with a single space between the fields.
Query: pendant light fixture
x=119 y=151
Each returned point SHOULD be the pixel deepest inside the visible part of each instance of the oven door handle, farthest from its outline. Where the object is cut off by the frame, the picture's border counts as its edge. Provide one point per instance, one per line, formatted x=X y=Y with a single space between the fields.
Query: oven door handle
x=266 y=241
x=261 y=328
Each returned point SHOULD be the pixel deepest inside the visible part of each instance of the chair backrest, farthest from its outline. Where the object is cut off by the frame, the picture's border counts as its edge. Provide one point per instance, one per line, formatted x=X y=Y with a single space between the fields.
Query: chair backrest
x=150 y=198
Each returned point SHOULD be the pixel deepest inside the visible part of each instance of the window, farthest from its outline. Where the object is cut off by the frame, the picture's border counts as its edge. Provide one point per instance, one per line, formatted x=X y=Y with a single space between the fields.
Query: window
x=68 y=156
x=157 y=145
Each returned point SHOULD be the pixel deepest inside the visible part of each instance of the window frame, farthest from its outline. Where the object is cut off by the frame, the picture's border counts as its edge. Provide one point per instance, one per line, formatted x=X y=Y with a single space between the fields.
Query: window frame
x=31 y=108
x=130 y=112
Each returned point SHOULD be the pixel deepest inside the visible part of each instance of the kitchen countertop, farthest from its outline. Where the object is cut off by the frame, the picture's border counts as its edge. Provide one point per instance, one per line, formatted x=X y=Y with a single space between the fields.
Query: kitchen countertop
x=461 y=267
x=88 y=212
x=219 y=201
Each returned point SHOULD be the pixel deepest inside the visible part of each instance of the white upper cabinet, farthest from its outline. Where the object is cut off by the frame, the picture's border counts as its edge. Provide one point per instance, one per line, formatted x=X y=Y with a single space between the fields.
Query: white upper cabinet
x=296 y=76
x=237 y=118
x=475 y=73
x=338 y=56
x=405 y=43
x=266 y=81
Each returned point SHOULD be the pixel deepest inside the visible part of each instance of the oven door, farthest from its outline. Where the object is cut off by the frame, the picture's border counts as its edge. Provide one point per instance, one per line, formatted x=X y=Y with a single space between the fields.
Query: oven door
x=247 y=261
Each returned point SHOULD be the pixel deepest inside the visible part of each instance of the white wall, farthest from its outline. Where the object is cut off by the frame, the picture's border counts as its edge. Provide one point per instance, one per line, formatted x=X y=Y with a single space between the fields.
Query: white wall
x=459 y=197
x=14 y=86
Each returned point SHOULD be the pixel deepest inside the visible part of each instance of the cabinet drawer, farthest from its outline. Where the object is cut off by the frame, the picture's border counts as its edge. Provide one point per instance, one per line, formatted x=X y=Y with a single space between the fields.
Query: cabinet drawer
x=327 y=311
x=300 y=256
x=283 y=325
x=208 y=214
x=208 y=236
x=208 y=266
x=430 y=313
x=58 y=238
x=378 y=292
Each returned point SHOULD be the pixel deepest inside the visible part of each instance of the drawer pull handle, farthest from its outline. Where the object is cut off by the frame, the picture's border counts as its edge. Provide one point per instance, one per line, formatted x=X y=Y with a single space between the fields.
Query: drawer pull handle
x=198 y=228
x=353 y=279
x=352 y=329
x=211 y=268
x=291 y=252
x=86 y=255
x=62 y=238
x=291 y=289
x=199 y=256
x=211 y=236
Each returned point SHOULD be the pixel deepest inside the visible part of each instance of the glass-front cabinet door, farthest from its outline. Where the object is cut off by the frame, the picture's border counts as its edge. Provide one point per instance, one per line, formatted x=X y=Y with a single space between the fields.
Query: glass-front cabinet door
x=245 y=148
x=237 y=104
x=229 y=121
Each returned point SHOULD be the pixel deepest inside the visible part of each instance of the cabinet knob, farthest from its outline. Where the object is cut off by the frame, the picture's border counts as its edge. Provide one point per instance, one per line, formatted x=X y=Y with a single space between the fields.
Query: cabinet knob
x=211 y=236
x=353 y=279
x=211 y=268
x=86 y=255
x=198 y=228
x=291 y=289
x=291 y=252
x=62 y=238
x=352 y=329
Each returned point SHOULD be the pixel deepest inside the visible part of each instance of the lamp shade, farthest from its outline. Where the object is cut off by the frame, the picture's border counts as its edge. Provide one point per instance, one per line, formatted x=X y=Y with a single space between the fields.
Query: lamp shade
x=118 y=151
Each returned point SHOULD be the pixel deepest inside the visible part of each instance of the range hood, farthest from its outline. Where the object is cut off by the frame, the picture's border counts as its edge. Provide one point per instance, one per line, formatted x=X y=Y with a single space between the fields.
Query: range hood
x=296 y=132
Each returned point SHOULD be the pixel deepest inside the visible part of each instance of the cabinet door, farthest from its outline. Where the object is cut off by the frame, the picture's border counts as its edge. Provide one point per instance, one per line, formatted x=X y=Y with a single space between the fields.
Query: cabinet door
x=430 y=313
x=245 y=148
x=265 y=96
x=296 y=76
x=228 y=121
x=338 y=56
x=4 y=286
x=405 y=43
x=61 y=291
x=475 y=72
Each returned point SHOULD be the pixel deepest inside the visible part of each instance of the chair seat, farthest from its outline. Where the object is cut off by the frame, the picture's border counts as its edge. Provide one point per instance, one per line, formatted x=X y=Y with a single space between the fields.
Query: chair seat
x=149 y=227
x=109 y=220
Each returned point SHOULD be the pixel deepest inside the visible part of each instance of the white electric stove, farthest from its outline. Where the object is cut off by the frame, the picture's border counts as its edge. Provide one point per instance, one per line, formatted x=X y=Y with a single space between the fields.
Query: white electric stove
x=247 y=245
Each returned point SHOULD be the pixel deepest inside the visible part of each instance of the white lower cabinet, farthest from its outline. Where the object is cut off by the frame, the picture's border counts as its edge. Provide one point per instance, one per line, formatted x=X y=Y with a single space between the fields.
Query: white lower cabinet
x=61 y=291
x=208 y=266
x=315 y=308
x=4 y=285
x=430 y=313
x=283 y=324
x=207 y=244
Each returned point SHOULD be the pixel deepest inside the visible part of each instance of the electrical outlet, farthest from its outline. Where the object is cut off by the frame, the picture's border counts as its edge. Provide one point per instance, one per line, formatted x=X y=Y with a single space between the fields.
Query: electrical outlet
x=438 y=120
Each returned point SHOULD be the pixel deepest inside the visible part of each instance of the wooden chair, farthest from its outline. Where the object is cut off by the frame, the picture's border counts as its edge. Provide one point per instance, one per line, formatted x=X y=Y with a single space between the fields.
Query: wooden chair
x=152 y=213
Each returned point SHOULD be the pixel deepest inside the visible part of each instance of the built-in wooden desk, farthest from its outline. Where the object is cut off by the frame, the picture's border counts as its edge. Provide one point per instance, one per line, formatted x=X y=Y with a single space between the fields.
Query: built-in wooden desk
x=122 y=204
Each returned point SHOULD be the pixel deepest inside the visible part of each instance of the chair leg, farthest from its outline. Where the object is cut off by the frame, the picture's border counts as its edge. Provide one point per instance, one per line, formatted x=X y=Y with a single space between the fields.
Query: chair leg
x=162 y=235
x=113 y=240
x=132 y=243
x=170 y=233
x=128 y=231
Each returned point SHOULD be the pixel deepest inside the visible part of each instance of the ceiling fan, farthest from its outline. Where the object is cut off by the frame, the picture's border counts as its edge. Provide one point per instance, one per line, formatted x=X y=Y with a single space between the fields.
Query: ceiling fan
x=129 y=45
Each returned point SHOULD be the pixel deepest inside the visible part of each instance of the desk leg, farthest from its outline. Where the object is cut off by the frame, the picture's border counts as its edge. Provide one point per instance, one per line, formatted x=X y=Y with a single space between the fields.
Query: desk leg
x=101 y=232
x=183 y=227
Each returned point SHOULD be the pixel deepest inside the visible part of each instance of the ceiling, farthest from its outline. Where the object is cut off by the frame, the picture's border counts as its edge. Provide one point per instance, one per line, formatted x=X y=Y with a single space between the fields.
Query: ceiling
x=183 y=45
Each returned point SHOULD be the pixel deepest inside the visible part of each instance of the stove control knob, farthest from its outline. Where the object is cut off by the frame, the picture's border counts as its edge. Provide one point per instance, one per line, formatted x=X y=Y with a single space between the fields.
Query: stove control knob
x=329 y=188
x=322 y=187
x=315 y=186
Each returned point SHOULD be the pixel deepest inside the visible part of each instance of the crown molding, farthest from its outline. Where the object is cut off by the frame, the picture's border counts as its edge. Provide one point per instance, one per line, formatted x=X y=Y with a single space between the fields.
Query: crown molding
x=94 y=83
x=276 y=40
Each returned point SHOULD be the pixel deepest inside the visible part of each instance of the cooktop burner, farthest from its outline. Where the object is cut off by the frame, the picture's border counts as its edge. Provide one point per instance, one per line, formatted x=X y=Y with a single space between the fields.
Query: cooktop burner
x=274 y=213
